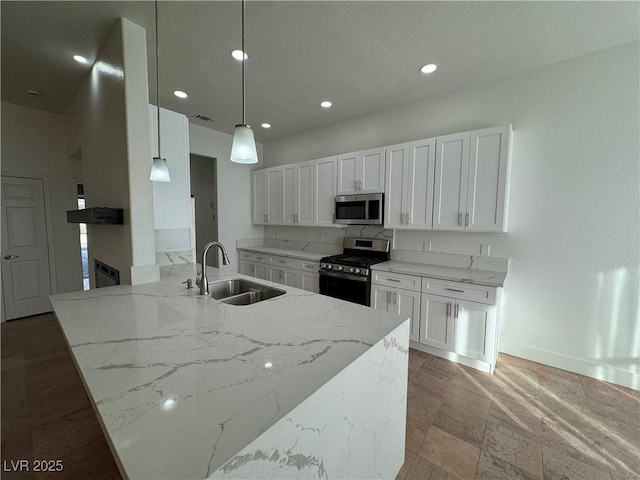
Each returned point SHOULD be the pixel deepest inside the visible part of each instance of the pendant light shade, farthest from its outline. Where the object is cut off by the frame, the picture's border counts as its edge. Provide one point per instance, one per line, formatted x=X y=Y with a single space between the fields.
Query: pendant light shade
x=243 y=149
x=160 y=170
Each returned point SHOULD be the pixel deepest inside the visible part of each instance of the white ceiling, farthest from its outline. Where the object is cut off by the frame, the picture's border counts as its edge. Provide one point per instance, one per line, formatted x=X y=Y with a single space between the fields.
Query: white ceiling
x=363 y=56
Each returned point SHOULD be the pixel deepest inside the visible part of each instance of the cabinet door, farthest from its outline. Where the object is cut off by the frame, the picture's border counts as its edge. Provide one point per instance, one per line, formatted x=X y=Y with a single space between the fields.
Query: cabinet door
x=310 y=282
x=436 y=321
x=261 y=271
x=407 y=304
x=488 y=168
x=380 y=297
x=348 y=173
x=288 y=193
x=371 y=171
x=247 y=268
x=397 y=163
x=324 y=190
x=450 y=189
x=474 y=324
x=259 y=197
x=419 y=184
x=273 y=195
x=277 y=274
x=304 y=183
x=291 y=277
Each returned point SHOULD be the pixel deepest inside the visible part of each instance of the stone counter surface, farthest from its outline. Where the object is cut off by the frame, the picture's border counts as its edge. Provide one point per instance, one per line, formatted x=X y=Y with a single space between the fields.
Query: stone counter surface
x=301 y=254
x=453 y=274
x=182 y=383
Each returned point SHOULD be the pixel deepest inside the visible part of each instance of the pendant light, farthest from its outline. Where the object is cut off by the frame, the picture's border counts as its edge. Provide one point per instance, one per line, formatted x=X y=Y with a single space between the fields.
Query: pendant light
x=243 y=149
x=159 y=168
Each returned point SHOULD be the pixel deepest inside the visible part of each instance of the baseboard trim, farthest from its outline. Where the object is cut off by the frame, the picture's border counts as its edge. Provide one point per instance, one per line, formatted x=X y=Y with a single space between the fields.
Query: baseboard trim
x=572 y=364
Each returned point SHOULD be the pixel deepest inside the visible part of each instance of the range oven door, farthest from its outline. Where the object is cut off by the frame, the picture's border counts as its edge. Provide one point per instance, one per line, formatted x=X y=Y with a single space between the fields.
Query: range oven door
x=352 y=288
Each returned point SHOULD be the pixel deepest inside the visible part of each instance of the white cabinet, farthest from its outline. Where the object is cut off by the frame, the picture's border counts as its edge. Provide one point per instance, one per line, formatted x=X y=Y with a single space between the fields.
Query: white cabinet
x=400 y=301
x=265 y=196
x=254 y=265
x=471 y=170
x=361 y=172
x=410 y=170
x=284 y=275
x=324 y=190
x=290 y=271
x=297 y=193
x=436 y=322
x=309 y=282
x=460 y=322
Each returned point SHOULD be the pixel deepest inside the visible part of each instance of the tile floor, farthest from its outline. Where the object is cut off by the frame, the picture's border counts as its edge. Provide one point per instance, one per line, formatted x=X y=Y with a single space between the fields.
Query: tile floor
x=528 y=421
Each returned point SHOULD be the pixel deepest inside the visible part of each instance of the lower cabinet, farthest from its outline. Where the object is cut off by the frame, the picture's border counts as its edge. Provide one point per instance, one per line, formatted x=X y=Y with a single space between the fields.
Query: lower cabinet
x=289 y=271
x=453 y=320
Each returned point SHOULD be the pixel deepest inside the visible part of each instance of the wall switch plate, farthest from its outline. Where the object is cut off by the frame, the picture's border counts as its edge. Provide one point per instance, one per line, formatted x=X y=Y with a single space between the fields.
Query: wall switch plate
x=426 y=246
x=485 y=248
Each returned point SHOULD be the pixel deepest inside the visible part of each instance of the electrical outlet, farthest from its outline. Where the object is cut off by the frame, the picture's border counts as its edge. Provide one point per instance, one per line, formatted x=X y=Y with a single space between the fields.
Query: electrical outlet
x=426 y=245
x=485 y=248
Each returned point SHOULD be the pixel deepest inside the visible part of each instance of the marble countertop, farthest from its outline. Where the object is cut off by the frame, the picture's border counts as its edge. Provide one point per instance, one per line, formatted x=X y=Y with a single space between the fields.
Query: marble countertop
x=302 y=254
x=454 y=274
x=182 y=382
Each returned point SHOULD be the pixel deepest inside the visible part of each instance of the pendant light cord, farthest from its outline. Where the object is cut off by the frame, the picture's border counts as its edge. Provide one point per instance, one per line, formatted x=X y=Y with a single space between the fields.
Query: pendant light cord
x=243 y=61
x=157 y=78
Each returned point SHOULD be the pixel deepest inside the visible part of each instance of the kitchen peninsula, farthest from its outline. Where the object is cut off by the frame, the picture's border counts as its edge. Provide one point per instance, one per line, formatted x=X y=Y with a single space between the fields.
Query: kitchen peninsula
x=300 y=385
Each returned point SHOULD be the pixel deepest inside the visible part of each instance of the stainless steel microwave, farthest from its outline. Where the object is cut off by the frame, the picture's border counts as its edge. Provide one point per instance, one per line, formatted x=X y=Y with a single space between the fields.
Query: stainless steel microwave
x=363 y=209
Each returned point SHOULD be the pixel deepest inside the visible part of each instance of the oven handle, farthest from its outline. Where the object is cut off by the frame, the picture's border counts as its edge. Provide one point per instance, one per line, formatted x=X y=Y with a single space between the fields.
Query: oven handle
x=346 y=276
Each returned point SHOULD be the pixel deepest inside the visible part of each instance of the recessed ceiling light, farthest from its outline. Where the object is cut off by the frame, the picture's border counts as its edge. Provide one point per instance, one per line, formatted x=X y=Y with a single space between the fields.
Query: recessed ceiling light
x=266 y=125
x=326 y=104
x=80 y=59
x=429 y=68
x=237 y=54
x=180 y=94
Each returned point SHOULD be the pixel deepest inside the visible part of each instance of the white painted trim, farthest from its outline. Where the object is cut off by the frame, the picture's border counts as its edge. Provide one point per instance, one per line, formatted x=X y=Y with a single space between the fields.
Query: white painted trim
x=572 y=364
x=48 y=220
x=454 y=357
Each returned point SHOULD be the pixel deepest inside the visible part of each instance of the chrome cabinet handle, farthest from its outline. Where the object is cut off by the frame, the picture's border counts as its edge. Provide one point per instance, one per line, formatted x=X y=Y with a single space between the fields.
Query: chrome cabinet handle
x=454 y=290
x=406 y=220
x=9 y=257
x=281 y=261
x=459 y=218
x=393 y=280
x=388 y=296
x=266 y=218
x=402 y=218
x=448 y=309
x=395 y=298
x=457 y=311
x=466 y=220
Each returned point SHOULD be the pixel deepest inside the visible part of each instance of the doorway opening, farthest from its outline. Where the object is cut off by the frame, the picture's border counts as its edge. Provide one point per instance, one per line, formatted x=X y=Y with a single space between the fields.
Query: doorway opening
x=84 y=251
x=204 y=191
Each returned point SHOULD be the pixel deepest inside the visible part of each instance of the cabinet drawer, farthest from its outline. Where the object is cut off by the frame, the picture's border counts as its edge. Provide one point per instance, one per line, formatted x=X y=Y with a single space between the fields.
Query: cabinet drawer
x=254 y=257
x=464 y=291
x=307 y=266
x=284 y=262
x=398 y=280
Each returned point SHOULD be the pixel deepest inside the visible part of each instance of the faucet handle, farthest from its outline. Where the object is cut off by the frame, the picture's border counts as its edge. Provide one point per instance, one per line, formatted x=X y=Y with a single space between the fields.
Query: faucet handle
x=189 y=283
x=198 y=278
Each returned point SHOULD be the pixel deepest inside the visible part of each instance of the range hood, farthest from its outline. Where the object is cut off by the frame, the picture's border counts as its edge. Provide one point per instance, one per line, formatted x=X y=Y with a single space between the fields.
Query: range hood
x=96 y=216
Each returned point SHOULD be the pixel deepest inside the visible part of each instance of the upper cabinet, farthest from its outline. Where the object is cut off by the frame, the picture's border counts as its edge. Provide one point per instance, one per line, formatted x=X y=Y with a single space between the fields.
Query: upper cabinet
x=265 y=197
x=297 y=193
x=361 y=172
x=470 y=190
x=410 y=171
x=324 y=190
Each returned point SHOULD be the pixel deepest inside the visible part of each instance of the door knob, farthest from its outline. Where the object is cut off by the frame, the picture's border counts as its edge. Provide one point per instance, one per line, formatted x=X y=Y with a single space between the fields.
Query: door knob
x=9 y=257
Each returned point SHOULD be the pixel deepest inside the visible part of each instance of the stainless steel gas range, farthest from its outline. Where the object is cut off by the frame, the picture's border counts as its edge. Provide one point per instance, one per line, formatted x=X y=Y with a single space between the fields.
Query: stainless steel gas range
x=348 y=276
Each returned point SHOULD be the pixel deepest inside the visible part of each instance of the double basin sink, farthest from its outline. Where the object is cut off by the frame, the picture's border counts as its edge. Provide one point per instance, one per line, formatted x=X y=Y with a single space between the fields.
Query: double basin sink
x=239 y=291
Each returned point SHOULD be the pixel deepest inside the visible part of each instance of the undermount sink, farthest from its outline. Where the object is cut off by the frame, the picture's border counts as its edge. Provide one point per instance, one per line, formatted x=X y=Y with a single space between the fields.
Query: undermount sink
x=239 y=291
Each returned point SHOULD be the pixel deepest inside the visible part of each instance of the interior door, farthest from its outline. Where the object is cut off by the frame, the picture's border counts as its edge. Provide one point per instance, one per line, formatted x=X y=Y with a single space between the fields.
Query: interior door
x=26 y=284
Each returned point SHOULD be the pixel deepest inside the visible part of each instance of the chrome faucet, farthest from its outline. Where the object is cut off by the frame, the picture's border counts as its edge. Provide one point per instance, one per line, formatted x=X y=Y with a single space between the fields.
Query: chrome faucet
x=202 y=275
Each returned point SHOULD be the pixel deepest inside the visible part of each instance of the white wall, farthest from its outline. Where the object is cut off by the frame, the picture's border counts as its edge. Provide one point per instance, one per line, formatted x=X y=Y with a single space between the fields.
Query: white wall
x=110 y=113
x=234 y=189
x=571 y=297
x=33 y=144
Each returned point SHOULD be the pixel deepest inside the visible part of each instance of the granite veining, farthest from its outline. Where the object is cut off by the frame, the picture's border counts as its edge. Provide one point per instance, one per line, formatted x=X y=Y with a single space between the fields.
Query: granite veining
x=182 y=383
x=300 y=254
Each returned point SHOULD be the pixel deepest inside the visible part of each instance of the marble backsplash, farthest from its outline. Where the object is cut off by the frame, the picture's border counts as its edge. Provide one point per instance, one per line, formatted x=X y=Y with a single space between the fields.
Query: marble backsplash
x=473 y=262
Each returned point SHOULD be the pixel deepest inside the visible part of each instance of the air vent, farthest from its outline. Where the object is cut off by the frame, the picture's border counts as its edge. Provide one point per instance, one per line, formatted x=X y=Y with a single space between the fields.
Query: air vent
x=204 y=118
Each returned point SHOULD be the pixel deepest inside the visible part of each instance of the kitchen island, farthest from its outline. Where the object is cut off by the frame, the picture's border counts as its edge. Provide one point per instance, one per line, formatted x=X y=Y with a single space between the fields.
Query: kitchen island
x=184 y=386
